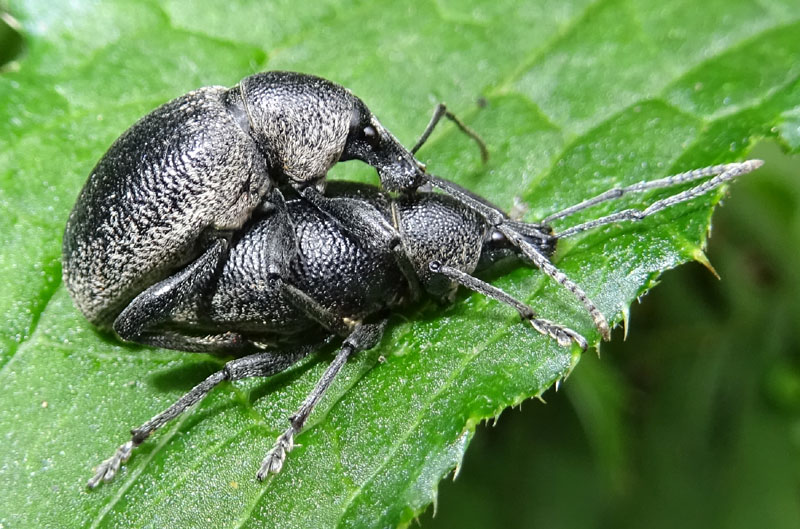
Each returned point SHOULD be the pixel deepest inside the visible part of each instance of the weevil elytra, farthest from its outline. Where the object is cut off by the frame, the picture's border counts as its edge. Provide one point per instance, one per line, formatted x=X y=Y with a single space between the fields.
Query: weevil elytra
x=336 y=265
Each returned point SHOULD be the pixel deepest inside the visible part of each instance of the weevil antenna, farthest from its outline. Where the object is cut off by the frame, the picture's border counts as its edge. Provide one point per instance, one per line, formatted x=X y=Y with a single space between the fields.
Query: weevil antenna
x=441 y=111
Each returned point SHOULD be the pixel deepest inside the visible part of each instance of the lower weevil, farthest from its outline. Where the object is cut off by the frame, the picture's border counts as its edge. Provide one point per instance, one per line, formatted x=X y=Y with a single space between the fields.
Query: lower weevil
x=338 y=270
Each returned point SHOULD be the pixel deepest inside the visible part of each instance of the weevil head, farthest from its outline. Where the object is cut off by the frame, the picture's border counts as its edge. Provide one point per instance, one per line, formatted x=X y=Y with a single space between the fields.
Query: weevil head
x=370 y=142
x=496 y=246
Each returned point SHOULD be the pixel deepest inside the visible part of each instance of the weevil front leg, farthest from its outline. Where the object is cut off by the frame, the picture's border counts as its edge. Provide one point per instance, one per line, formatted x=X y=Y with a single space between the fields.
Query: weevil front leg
x=563 y=335
x=364 y=336
x=721 y=174
x=262 y=364
x=495 y=217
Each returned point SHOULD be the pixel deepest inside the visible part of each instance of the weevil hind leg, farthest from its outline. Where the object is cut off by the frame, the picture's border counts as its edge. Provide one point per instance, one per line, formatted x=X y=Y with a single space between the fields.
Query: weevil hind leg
x=363 y=336
x=155 y=304
x=263 y=364
x=227 y=342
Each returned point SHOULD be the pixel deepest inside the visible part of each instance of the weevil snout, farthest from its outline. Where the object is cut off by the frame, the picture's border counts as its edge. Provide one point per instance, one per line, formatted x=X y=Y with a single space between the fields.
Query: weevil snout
x=400 y=170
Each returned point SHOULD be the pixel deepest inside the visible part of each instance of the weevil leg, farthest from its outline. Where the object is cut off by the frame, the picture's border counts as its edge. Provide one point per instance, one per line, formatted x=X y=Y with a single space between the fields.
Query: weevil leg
x=364 y=336
x=640 y=187
x=155 y=304
x=261 y=364
x=504 y=225
x=313 y=309
x=139 y=321
x=282 y=247
x=227 y=342
x=356 y=220
x=543 y=263
x=722 y=174
x=438 y=113
x=563 y=335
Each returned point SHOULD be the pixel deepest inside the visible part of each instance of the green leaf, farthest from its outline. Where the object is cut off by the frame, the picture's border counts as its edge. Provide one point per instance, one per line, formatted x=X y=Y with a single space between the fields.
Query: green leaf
x=579 y=96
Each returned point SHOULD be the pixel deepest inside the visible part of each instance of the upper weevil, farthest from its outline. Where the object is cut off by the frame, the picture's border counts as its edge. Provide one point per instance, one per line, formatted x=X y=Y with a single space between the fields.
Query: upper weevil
x=162 y=204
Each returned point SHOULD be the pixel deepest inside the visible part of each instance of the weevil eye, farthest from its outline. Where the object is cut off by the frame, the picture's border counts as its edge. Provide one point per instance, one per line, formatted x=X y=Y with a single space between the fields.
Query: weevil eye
x=371 y=136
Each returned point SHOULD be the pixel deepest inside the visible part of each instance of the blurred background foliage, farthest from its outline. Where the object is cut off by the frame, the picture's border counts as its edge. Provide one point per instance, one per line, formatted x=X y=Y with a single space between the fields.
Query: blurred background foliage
x=692 y=422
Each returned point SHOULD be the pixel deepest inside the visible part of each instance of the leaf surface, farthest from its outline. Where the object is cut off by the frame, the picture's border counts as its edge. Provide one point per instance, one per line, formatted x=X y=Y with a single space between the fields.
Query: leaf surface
x=575 y=97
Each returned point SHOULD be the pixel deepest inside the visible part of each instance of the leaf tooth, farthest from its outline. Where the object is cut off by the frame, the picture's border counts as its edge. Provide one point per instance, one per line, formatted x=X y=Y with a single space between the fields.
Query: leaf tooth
x=626 y=319
x=700 y=256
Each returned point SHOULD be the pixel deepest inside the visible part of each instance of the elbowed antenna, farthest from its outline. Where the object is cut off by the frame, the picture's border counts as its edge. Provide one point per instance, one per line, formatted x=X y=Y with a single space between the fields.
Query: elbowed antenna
x=441 y=111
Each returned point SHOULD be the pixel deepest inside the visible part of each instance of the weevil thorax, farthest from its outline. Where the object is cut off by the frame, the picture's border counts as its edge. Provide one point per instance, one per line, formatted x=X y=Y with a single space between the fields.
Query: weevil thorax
x=300 y=123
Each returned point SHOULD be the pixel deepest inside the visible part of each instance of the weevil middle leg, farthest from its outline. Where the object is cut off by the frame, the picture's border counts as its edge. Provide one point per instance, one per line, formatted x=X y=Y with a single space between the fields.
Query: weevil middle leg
x=364 y=336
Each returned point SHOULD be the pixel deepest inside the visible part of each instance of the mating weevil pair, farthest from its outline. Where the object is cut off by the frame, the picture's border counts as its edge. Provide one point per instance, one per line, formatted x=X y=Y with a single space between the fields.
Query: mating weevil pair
x=182 y=237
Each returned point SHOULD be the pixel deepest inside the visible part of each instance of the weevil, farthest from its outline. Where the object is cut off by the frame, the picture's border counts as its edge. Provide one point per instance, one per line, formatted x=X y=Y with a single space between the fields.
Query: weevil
x=299 y=271
x=162 y=205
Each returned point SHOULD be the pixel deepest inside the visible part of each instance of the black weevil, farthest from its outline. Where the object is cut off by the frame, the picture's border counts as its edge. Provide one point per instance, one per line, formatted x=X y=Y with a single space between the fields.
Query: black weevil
x=158 y=212
x=270 y=293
